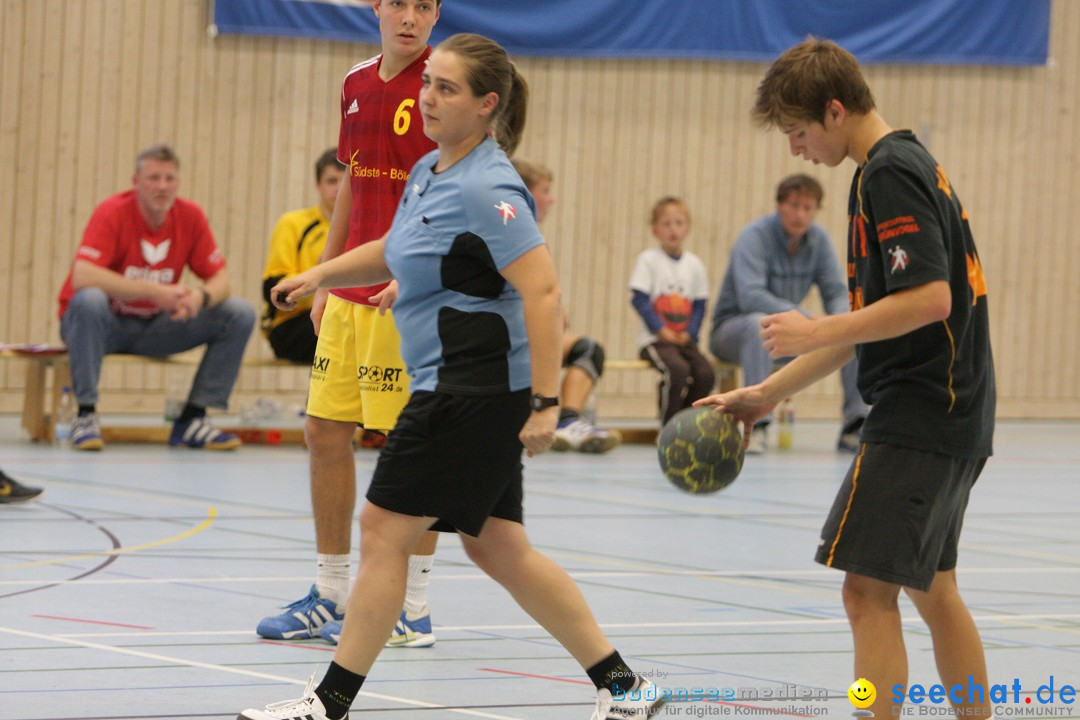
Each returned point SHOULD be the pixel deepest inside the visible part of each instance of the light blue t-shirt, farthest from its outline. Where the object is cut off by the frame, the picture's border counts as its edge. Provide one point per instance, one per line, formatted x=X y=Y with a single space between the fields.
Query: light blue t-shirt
x=462 y=324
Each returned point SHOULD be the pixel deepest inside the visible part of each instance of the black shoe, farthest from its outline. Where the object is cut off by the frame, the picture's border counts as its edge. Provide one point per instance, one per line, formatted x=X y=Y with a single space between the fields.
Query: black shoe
x=12 y=492
x=851 y=436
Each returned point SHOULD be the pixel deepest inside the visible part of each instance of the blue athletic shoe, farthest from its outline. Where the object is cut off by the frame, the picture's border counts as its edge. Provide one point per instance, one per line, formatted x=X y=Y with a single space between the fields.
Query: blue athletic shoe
x=407 y=633
x=198 y=433
x=331 y=632
x=86 y=433
x=412 y=633
x=302 y=620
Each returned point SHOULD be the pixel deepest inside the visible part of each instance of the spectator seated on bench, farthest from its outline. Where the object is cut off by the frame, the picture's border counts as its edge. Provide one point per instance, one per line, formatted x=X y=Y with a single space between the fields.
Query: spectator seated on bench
x=775 y=261
x=296 y=245
x=123 y=295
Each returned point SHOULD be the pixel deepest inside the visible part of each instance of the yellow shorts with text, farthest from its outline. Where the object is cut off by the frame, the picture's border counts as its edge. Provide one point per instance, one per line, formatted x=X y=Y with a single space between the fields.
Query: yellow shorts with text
x=358 y=374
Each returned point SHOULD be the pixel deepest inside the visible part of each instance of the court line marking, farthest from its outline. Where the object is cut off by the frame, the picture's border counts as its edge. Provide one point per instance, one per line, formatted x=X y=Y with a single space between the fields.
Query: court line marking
x=240 y=671
x=211 y=514
x=605 y=626
x=822 y=572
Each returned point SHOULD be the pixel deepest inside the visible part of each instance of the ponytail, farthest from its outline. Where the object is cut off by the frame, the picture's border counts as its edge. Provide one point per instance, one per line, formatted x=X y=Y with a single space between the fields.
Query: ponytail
x=510 y=123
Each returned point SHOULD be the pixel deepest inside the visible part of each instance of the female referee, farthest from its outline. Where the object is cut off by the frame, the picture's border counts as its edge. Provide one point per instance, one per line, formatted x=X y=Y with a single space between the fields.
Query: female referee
x=481 y=329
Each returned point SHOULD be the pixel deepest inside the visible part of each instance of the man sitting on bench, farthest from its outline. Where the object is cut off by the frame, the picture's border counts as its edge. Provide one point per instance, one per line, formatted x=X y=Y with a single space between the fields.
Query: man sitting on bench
x=123 y=295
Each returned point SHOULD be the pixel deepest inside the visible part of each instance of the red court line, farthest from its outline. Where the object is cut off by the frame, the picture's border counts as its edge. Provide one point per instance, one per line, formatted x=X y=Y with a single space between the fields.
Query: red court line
x=776 y=711
x=538 y=677
x=93 y=622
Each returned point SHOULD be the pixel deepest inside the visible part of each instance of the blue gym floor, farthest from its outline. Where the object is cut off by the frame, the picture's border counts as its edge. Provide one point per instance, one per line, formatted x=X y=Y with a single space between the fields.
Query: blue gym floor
x=131 y=589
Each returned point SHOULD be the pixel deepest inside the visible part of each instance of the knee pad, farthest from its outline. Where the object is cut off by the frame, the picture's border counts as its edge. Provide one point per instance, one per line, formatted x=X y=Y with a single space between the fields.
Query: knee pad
x=588 y=355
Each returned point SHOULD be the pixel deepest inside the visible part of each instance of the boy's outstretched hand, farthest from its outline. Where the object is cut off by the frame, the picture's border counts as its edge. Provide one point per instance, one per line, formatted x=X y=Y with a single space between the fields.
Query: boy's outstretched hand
x=747 y=405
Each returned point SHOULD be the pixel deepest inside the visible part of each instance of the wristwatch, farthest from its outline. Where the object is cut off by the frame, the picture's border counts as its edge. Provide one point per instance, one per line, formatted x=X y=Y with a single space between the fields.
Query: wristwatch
x=205 y=298
x=540 y=402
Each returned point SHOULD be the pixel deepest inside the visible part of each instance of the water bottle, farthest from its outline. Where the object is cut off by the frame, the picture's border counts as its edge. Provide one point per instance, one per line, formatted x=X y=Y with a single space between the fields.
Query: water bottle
x=174 y=396
x=65 y=417
x=787 y=425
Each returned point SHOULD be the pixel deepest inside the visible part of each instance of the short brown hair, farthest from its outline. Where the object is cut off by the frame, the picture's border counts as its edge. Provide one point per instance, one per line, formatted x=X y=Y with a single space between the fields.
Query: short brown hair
x=799 y=184
x=161 y=152
x=325 y=160
x=805 y=79
x=663 y=202
x=488 y=69
x=532 y=173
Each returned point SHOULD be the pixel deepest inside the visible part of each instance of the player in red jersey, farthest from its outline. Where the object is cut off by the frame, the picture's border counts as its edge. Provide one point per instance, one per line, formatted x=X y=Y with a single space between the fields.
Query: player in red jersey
x=358 y=376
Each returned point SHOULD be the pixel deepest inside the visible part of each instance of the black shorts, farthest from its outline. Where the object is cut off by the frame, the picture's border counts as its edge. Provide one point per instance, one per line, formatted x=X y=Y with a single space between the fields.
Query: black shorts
x=898 y=514
x=456 y=458
x=294 y=340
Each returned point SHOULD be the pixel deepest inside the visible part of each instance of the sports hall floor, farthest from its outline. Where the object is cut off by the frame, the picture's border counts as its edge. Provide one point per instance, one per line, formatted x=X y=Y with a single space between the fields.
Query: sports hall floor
x=132 y=588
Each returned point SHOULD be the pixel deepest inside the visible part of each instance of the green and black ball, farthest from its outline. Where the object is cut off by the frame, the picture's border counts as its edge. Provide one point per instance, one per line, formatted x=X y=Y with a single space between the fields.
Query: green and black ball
x=701 y=450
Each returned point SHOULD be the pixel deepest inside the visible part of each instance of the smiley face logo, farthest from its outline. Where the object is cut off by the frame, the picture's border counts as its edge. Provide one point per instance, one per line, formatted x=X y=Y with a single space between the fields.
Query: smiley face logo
x=862 y=693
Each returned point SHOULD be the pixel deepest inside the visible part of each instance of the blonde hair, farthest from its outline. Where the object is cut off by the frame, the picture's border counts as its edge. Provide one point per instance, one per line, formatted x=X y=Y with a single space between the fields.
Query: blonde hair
x=488 y=69
x=661 y=205
x=532 y=174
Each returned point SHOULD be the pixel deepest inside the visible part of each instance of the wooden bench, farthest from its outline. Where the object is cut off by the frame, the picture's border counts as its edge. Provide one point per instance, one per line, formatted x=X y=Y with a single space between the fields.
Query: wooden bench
x=48 y=371
x=727 y=378
x=727 y=374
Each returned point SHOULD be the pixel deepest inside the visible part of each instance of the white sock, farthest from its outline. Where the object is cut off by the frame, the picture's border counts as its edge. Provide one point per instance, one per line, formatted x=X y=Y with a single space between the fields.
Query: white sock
x=332 y=578
x=416 y=593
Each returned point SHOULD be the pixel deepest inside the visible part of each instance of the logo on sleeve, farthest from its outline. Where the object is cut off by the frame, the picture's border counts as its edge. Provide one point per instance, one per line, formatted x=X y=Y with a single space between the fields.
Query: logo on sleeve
x=899 y=259
x=354 y=108
x=506 y=211
x=154 y=254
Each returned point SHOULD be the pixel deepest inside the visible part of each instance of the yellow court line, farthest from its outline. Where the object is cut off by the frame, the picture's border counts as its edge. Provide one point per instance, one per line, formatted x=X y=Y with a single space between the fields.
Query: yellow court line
x=210 y=515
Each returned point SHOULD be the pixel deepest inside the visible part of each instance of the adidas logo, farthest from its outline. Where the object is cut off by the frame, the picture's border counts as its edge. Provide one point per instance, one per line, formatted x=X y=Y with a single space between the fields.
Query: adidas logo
x=353 y=108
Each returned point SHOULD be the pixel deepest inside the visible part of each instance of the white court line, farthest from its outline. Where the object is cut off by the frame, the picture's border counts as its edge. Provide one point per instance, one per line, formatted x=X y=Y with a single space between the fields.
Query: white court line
x=822 y=572
x=605 y=626
x=240 y=671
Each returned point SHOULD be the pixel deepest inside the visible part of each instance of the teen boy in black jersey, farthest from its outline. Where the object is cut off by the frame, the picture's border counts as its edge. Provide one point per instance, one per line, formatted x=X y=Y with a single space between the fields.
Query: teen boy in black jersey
x=918 y=325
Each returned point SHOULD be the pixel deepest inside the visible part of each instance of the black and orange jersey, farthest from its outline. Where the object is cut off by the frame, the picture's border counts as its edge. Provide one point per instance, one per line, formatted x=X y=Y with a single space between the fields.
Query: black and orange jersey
x=932 y=388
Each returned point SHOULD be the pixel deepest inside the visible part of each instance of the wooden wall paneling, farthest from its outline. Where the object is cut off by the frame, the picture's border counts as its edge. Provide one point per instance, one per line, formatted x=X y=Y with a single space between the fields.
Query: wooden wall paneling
x=84 y=171
x=1062 y=215
x=14 y=193
x=246 y=237
x=33 y=304
x=1018 y=197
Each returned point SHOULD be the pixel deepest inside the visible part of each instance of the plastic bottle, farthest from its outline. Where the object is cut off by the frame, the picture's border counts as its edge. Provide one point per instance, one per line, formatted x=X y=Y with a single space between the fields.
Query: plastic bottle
x=65 y=417
x=787 y=425
x=174 y=396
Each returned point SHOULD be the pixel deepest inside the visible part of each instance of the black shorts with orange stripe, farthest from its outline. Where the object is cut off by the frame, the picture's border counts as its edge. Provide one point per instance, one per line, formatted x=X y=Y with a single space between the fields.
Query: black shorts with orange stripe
x=898 y=514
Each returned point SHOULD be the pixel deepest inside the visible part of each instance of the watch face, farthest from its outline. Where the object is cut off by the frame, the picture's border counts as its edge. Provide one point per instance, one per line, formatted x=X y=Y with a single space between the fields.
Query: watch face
x=539 y=402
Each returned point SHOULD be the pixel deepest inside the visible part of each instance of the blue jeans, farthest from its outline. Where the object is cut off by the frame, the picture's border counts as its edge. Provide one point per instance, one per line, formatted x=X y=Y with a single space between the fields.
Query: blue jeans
x=738 y=340
x=91 y=330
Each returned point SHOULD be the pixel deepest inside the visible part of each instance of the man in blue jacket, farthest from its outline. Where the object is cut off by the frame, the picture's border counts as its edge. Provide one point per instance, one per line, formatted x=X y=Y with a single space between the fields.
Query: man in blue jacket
x=775 y=261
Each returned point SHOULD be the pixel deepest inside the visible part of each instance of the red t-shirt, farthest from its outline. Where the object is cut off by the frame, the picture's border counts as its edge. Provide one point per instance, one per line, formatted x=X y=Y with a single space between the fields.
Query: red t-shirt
x=118 y=238
x=382 y=137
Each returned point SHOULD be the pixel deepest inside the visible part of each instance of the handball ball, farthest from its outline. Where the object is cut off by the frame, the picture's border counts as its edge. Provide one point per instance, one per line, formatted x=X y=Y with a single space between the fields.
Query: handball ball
x=701 y=450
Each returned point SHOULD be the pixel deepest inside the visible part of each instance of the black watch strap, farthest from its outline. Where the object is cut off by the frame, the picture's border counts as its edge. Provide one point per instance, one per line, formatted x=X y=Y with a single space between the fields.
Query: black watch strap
x=542 y=402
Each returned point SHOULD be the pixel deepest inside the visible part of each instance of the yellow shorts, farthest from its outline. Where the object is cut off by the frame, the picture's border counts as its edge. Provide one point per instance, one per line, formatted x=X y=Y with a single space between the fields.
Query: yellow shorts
x=358 y=374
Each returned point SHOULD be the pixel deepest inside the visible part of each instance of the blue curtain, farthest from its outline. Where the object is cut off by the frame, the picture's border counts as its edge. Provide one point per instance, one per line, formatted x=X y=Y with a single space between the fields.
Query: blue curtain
x=993 y=32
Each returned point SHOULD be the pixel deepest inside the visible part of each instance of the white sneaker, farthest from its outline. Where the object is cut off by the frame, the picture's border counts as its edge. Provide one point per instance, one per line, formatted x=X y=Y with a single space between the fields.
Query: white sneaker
x=579 y=434
x=638 y=704
x=758 y=441
x=308 y=707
